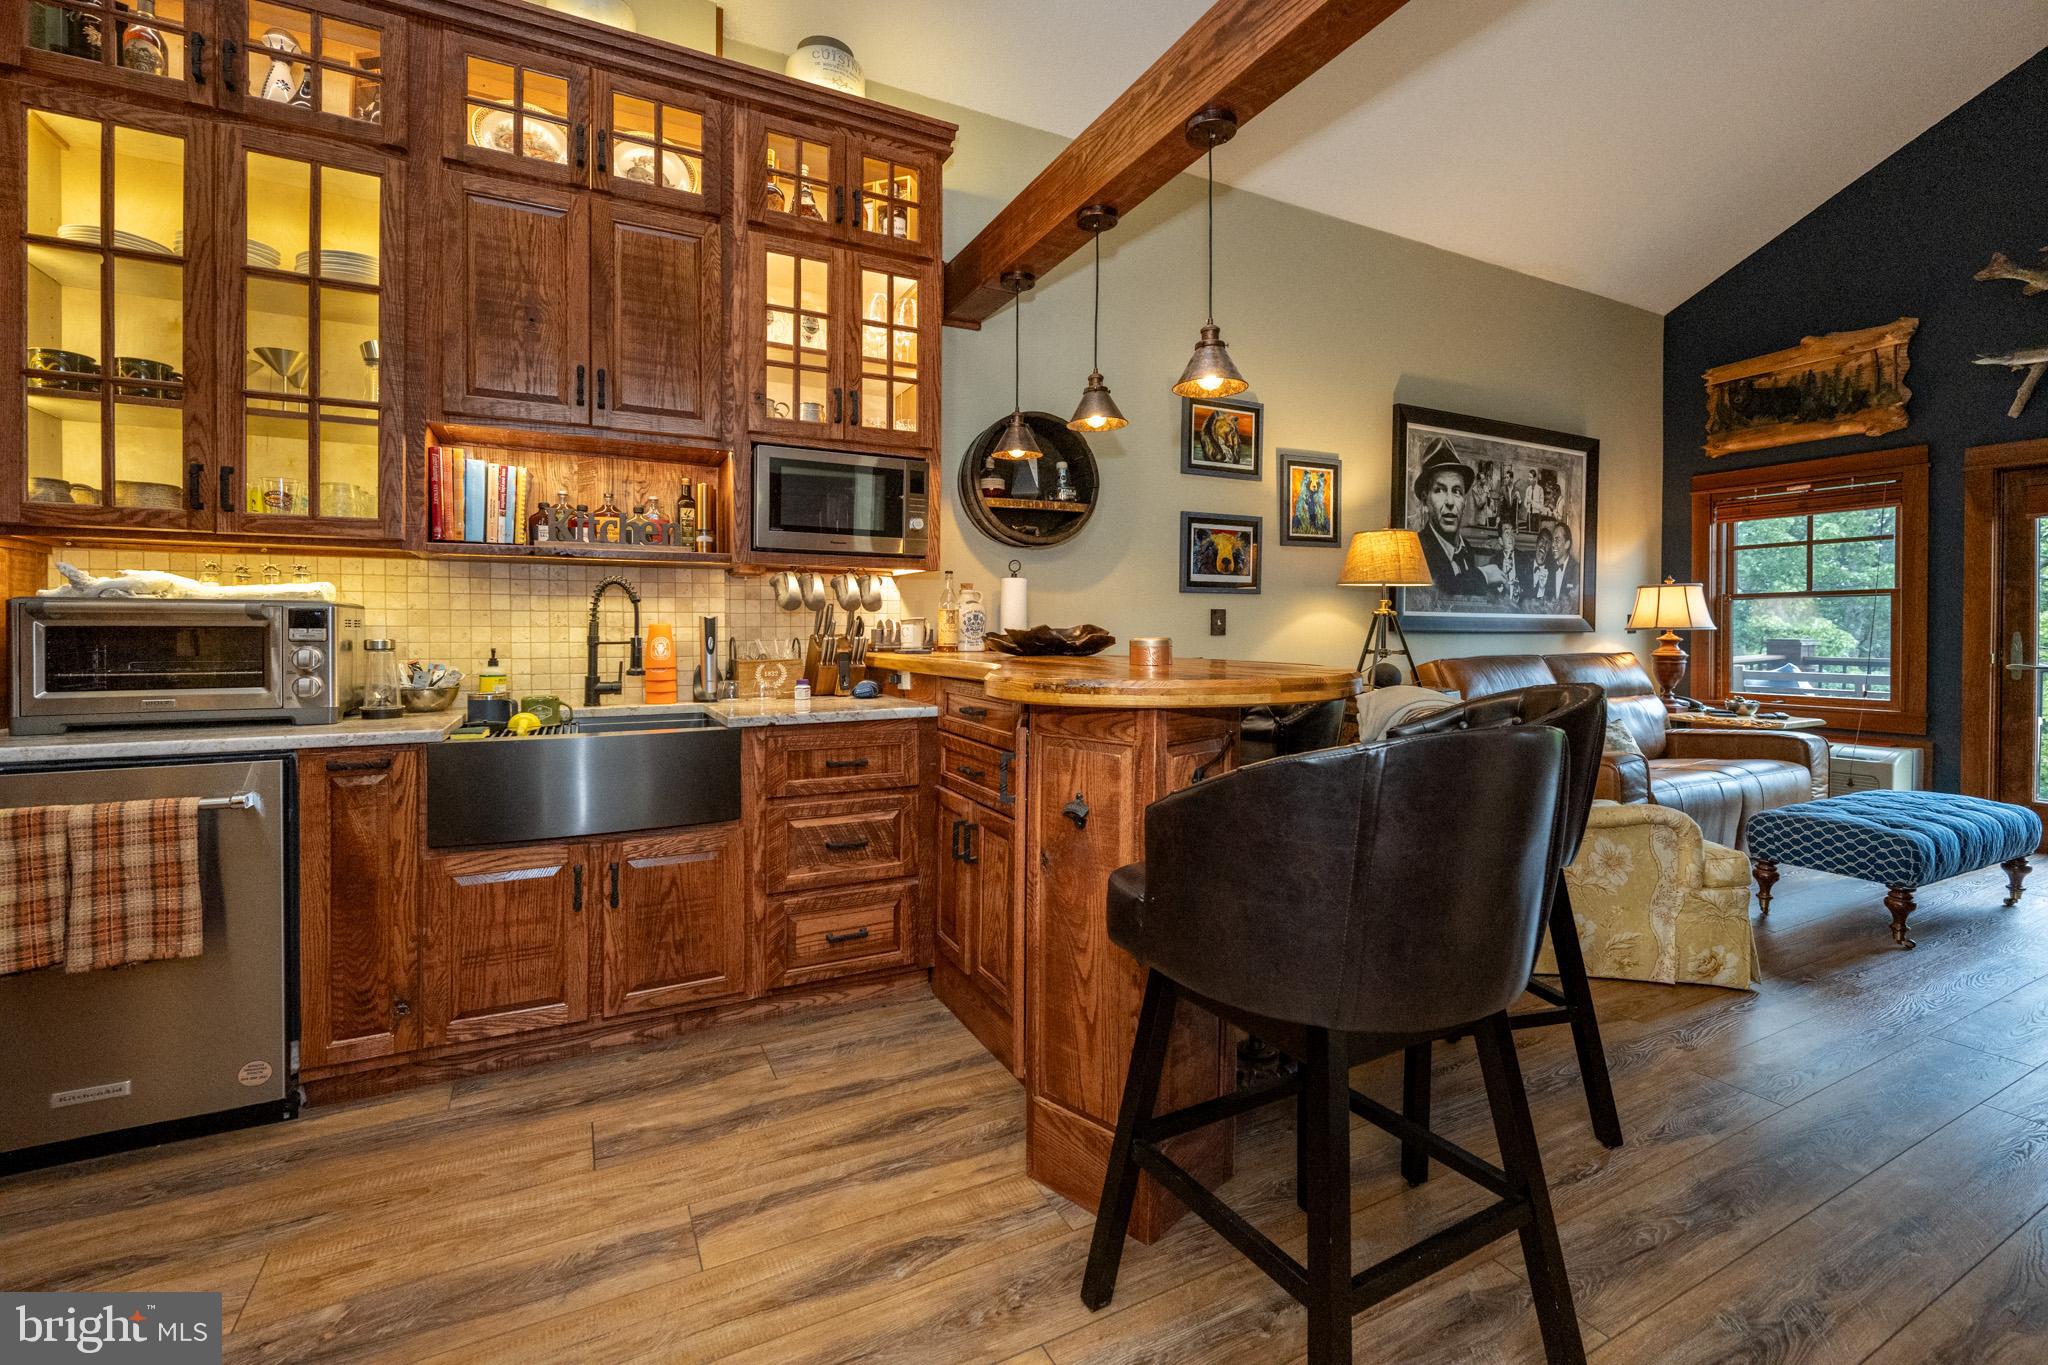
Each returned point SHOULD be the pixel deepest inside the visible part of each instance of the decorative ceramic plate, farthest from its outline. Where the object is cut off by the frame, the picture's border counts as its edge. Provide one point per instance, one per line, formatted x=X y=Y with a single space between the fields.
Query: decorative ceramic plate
x=491 y=129
x=1047 y=640
x=631 y=161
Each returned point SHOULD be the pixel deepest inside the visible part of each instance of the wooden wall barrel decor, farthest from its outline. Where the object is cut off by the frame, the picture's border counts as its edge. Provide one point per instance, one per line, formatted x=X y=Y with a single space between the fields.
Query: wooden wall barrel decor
x=1022 y=514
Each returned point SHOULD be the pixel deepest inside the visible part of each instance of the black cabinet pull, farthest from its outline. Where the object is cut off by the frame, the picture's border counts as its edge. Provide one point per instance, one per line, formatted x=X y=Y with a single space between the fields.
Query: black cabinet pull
x=600 y=388
x=604 y=161
x=958 y=825
x=971 y=774
x=974 y=712
x=1077 y=811
x=195 y=476
x=615 y=886
x=577 y=903
x=969 y=837
x=582 y=146
x=198 y=41
x=579 y=386
x=359 y=765
x=850 y=936
x=856 y=205
x=401 y=1006
x=1003 y=792
x=227 y=487
x=835 y=405
x=839 y=203
x=229 y=48
x=853 y=405
x=846 y=763
x=846 y=845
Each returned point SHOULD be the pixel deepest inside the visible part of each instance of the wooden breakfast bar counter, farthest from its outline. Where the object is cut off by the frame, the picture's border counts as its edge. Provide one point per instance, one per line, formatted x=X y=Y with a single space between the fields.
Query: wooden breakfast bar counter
x=1022 y=954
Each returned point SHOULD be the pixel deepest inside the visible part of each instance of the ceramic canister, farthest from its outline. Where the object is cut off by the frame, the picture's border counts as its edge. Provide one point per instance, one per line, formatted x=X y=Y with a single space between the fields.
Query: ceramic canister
x=973 y=619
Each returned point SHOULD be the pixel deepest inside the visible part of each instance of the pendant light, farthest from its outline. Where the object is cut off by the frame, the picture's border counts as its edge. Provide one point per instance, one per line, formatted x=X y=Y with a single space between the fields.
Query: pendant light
x=1017 y=442
x=1209 y=373
x=1097 y=411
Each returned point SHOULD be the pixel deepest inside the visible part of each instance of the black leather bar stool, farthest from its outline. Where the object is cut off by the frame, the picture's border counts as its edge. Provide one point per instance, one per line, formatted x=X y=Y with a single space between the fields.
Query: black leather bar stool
x=1342 y=905
x=1579 y=710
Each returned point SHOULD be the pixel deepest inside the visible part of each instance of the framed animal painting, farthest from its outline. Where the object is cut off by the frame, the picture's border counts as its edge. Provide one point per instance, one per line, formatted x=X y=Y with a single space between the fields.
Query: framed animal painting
x=1308 y=499
x=1223 y=438
x=1220 y=552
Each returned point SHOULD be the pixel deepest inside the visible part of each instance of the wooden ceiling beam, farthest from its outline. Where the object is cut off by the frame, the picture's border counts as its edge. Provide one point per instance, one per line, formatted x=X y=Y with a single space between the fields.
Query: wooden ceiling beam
x=1242 y=54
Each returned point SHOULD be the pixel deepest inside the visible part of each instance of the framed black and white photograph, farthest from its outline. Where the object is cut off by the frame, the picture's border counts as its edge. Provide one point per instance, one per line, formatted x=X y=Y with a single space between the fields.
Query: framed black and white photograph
x=1221 y=437
x=1308 y=499
x=1506 y=517
x=1219 y=552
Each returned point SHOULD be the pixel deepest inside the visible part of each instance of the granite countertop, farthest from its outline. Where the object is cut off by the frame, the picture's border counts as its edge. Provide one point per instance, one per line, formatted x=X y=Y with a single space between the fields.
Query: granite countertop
x=170 y=741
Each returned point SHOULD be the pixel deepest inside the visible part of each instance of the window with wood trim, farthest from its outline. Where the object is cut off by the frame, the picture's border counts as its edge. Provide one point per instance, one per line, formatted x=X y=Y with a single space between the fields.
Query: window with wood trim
x=1816 y=572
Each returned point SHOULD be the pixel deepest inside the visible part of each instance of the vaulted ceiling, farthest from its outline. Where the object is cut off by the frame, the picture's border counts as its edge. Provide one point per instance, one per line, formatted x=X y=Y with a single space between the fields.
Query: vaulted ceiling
x=1632 y=148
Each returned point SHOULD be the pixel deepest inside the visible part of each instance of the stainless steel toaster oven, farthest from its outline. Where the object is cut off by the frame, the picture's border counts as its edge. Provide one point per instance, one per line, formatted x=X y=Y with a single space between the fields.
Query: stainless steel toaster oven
x=79 y=662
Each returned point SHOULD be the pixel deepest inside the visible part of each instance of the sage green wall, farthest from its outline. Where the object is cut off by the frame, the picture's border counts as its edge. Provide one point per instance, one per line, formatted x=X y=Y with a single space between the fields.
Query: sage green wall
x=1333 y=324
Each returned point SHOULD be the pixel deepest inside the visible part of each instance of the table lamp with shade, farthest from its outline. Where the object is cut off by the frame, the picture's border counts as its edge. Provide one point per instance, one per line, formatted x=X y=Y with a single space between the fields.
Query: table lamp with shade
x=1670 y=607
x=1385 y=560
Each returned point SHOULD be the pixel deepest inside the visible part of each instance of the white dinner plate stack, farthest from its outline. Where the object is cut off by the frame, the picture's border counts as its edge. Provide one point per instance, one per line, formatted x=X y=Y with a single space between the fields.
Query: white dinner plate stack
x=353 y=266
x=88 y=234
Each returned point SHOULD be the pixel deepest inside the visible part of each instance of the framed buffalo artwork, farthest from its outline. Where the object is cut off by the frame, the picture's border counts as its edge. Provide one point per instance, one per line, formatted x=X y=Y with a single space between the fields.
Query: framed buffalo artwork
x=1220 y=552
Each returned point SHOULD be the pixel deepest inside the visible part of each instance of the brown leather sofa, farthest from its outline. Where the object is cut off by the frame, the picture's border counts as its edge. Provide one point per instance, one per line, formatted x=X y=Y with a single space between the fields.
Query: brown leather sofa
x=1718 y=777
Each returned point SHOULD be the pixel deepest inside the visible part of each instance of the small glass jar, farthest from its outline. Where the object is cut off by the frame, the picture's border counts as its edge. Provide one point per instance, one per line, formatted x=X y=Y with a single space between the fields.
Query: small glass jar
x=382 y=681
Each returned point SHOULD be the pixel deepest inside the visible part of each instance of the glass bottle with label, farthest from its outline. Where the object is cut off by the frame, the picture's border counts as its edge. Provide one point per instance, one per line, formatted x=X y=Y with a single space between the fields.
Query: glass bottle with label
x=949 y=617
x=806 y=206
x=686 y=517
x=581 y=531
x=778 y=202
x=606 y=522
x=540 y=527
x=660 y=531
x=633 y=530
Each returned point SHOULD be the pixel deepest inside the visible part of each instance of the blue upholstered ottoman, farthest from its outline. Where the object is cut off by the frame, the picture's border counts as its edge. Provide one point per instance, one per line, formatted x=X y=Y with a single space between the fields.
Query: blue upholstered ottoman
x=1901 y=840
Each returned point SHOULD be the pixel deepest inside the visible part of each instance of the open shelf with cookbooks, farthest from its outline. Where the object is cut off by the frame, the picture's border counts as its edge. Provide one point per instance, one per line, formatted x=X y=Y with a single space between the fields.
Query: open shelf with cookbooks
x=491 y=500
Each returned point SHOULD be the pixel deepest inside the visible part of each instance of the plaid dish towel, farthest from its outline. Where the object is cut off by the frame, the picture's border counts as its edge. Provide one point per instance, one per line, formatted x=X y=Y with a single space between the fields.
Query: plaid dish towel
x=134 y=883
x=33 y=876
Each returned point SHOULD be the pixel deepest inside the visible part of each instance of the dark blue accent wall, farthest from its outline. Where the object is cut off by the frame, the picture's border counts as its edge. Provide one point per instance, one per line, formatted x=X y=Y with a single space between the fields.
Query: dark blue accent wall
x=1903 y=241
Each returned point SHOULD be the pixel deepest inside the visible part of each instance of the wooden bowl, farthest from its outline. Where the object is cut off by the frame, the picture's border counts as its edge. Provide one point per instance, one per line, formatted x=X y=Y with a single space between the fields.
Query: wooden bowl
x=1047 y=641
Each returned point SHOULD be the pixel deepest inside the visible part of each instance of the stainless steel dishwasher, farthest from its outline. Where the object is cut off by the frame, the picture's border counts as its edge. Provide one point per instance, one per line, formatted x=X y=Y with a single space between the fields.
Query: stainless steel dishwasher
x=102 y=1060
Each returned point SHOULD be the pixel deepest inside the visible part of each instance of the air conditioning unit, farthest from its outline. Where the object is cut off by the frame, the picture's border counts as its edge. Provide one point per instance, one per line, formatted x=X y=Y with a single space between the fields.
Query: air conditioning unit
x=1871 y=767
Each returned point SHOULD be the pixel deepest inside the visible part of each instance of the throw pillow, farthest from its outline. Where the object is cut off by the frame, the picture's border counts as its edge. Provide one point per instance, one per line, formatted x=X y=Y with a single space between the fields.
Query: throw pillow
x=1619 y=740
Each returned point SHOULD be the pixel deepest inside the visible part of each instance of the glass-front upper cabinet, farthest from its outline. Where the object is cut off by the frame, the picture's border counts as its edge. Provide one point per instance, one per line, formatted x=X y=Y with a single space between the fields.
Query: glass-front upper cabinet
x=796 y=177
x=666 y=146
x=797 y=388
x=115 y=377
x=886 y=404
x=314 y=441
x=894 y=196
x=509 y=112
x=155 y=46
x=322 y=64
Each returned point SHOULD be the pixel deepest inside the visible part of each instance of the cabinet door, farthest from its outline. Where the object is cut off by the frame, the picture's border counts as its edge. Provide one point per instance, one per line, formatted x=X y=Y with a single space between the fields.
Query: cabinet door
x=507 y=942
x=167 y=54
x=312 y=441
x=796 y=179
x=359 y=949
x=658 y=335
x=895 y=197
x=674 y=920
x=108 y=287
x=890 y=393
x=988 y=846
x=661 y=144
x=793 y=314
x=323 y=65
x=516 y=301
x=953 y=915
x=511 y=114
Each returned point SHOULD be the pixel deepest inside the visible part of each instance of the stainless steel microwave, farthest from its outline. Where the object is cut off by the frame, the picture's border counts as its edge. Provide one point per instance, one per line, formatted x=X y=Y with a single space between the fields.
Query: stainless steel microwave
x=79 y=662
x=837 y=502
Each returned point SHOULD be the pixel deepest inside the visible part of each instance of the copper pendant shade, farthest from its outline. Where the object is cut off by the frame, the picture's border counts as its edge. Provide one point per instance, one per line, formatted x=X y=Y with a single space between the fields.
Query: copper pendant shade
x=1097 y=410
x=1210 y=372
x=1017 y=442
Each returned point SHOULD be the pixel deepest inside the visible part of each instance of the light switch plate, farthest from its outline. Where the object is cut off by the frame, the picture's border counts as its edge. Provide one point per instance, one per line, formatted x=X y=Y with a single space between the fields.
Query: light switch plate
x=1218 y=618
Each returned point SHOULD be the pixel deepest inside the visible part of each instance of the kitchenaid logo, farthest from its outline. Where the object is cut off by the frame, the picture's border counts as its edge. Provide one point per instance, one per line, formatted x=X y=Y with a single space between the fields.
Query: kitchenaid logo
x=169 y=1328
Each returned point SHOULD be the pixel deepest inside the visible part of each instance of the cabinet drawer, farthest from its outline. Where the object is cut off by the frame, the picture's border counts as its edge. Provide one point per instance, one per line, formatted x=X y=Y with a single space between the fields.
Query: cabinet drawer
x=811 y=844
x=813 y=938
x=964 y=709
x=985 y=774
x=824 y=760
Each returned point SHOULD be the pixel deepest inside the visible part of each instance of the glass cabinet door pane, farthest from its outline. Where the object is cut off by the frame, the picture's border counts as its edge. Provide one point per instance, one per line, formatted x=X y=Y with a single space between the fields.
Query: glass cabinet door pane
x=657 y=144
x=888 y=351
x=280 y=41
x=139 y=38
x=517 y=110
x=348 y=465
x=149 y=192
x=350 y=231
x=890 y=195
x=64 y=318
x=64 y=448
x=349 y=353
x=279 y=454
x=149 y=331
x=63 y=176
x=278 y=206
x=279 y=321
x=149 y=455
x=799 y=177
x=798 y=353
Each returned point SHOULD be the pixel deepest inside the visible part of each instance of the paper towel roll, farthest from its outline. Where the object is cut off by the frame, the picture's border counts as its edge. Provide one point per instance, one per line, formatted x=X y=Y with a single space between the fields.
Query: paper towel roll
x=1013 y=615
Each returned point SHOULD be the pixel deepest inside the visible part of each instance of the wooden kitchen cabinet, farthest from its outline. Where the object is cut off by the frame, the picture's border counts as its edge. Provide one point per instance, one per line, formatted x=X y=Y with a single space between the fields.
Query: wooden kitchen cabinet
x=662 y=143
x=978 y=919
x=170 y=55
x=657 y=283
x=674 y=920
x=359 y=925
x=517 y=301
x=325 y=66
x=514 y=111
x=508 y=938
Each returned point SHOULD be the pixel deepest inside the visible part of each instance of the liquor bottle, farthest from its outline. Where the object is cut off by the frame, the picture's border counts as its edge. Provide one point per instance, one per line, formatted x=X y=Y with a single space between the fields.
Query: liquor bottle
x=659 y=529
x=949 y=616
x=142 y=47
x=540 y=527
x=583 y=529
x=606 y=522
x=778 y=202
x=633 y=528
x=563 y=518
x=806 y=207
x=686 y=517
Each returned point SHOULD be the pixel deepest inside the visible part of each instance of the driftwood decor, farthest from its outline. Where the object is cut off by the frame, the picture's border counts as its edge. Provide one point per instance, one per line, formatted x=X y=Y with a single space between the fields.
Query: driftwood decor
x=1841 y=384
x=2032 y=359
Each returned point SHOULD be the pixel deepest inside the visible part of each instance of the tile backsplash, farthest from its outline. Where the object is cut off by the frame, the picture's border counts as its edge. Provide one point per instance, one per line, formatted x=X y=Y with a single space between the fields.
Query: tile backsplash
x=455 y=611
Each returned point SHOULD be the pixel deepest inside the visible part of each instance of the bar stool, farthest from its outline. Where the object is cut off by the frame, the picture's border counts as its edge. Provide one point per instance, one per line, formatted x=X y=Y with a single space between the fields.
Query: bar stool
x=1579 y=711
x=1342 y=905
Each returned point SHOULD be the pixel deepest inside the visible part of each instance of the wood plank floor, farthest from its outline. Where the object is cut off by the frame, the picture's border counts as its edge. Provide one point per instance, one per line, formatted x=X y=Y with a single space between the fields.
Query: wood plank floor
x=1850 y=1165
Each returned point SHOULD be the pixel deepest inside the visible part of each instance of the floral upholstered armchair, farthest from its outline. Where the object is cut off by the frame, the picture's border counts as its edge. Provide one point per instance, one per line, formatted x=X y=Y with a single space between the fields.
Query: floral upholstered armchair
x=1655 y=901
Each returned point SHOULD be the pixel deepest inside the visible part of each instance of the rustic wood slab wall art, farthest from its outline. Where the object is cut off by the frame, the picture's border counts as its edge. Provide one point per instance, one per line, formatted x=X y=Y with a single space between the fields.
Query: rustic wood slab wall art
x=2032 y=359
x=1030 y=502
x=1841 y=384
